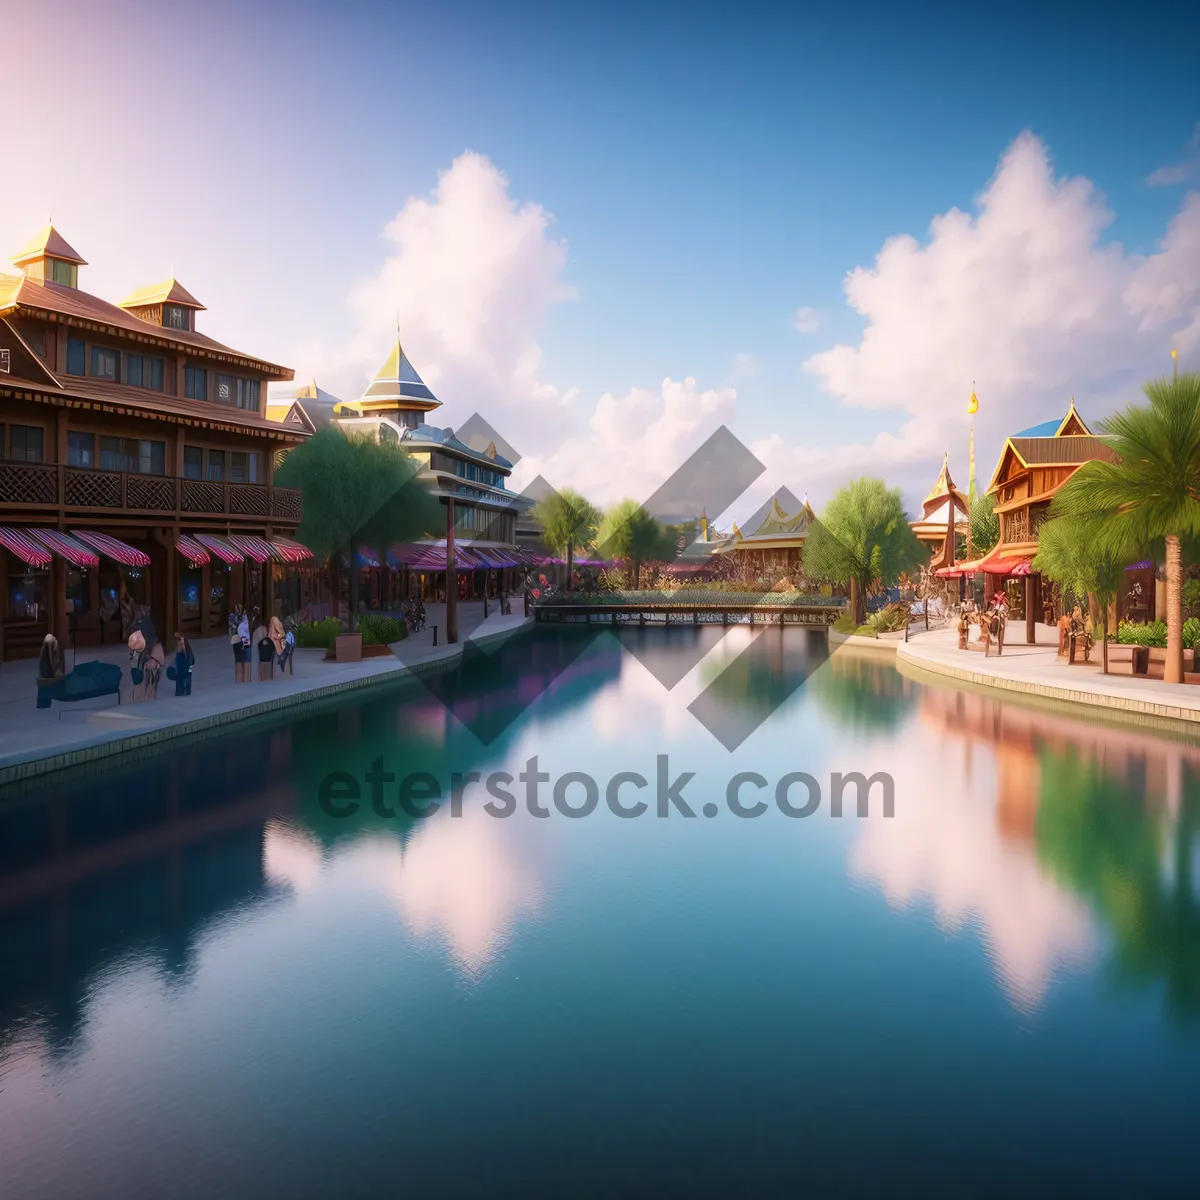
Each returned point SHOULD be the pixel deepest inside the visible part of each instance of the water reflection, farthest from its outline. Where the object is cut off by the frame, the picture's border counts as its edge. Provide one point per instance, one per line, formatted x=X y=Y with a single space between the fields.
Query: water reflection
x=1043 y=829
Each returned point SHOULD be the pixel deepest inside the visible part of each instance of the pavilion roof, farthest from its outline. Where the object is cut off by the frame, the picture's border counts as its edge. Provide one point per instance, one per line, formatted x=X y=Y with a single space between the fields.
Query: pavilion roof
x=170 y=291
x=48 y=243
x=943 y=487
x=396 y=385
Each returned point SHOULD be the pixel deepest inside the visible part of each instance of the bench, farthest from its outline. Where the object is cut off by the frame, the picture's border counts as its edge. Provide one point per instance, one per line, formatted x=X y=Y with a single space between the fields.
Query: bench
x=88 y=680
x=1127 y=660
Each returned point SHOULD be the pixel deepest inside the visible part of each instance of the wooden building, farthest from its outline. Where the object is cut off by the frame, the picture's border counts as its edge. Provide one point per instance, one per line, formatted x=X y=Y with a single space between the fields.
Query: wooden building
x=945 y=516
x=135 y=462
x=1033 y=465
x=775 y=543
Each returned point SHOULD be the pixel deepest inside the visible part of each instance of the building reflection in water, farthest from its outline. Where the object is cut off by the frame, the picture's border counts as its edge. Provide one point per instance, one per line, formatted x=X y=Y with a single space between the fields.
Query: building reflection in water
x=123 y=868
x=1044 y=830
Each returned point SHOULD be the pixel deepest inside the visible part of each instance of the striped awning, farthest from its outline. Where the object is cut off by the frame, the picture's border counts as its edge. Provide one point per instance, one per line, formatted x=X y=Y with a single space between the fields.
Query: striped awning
x=367 y=557
x=290 y=551
x=65 y=546
x=257 y=548
x=111 y=547
x=24 y=547
x=229 y=555
x=191 y=550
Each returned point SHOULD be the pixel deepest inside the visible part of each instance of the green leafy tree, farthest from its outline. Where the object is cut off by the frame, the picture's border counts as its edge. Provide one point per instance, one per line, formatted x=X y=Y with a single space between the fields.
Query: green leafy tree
x=863 y=537
x=629 y=532
x=357 y=493
x=1085 y=555
x=568 y=521
x=1152 y=488
x=984 y=525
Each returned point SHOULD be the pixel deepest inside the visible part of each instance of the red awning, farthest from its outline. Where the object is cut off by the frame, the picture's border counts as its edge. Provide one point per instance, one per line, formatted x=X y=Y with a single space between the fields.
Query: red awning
x=191 y=550
x=254 y=547
x=290 y=551
x=229 y=555
x=109 y=546
x=65 y=546
x=994 y=565
x=24 y=547
x=962 y=568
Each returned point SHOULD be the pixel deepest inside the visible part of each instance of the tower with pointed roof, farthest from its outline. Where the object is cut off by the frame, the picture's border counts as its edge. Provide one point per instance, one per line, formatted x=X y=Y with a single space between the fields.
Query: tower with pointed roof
x=49 y=258
x=946 y=512
x=397 y=392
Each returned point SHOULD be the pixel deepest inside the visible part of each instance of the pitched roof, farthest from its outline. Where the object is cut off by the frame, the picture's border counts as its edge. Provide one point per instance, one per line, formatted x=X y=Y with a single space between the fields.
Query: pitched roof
x=943 y=487
x=48 y=243
x=396 y=383
x=171 y=291
x=77 y=306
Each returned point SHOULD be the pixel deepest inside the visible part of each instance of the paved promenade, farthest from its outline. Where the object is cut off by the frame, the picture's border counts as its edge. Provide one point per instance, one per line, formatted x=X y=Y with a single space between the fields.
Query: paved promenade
x=34 y=741
x=1037 y=670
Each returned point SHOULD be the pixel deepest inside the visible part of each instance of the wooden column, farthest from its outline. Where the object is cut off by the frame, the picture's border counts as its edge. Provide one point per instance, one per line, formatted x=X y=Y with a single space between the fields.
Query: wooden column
x=205 y=598
x=1033 y=601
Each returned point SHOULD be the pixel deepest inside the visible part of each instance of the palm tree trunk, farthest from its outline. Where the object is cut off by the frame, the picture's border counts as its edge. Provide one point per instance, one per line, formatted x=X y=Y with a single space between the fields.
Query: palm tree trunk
x=1174 y=666
x=571 y=568
x=1104 y=643
x=353 y=616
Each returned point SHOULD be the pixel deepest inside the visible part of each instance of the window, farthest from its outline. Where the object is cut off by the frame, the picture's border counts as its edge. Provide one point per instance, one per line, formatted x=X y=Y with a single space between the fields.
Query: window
x=104 y=363
x=193 y=462
x=216 y=465
x=224 y=389
x=243 y=467
x=26 y=443
x=63 y=273
x=134 y=456
x=81 y=449
x=144 y=371
x=195 y=383
x=79 y=590
x=247 y=394
x=175 y=317
x=76 y=357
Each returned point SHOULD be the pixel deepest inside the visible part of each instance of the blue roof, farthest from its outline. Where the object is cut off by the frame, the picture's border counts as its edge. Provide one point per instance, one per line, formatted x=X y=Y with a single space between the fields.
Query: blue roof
x=1045 y=429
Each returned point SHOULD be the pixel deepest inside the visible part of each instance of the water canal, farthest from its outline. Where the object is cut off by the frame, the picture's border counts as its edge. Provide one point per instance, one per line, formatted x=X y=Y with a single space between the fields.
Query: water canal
x=213 y=984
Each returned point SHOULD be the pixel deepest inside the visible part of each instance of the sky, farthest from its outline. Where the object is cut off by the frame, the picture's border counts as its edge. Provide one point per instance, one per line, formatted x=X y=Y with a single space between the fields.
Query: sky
x=610 y=229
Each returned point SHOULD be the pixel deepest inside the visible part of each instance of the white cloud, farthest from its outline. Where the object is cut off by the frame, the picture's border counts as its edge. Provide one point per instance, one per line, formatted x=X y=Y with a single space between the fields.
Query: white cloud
x=1176 y=173
x=806 y=320
x=744 y=365
x=470 y=274
x=634 y=442
x=1023 y=297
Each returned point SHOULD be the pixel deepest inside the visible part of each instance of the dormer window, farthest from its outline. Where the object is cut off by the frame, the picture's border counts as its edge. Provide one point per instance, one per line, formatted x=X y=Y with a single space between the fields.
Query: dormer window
x=64 y=273
x=175 y=316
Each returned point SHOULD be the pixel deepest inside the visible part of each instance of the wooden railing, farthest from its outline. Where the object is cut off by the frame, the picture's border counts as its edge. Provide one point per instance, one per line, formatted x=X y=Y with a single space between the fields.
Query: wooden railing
x=25 y=485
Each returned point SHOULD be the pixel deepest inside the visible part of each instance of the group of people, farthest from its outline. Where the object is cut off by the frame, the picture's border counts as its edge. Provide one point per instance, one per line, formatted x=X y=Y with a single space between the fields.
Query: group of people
x=992 y=621
x=1074 y=633
x=272 y=643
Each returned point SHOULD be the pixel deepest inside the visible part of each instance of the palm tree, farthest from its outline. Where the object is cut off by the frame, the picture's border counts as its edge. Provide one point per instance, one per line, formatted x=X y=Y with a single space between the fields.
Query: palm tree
x=1152 y=488
x=1080 y=554
x=568 y=520
x=863 y=536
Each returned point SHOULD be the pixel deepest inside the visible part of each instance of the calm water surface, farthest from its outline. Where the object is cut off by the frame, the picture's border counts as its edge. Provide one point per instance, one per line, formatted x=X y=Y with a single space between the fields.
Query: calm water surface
x=210 y=986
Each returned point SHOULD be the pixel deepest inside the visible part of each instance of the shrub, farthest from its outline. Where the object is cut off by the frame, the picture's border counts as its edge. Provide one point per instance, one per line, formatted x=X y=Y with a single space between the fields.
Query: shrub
x=378 y=629
x=845 y=624
x=319 y=635
x=1148 y=633
x=1191 y=631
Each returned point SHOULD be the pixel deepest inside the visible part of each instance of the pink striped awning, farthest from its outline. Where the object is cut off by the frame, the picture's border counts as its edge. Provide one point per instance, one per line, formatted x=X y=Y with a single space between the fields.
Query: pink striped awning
x=290 y=551
x=127 y=556
x=65 y=546
x=24 y=547
x=229 y=555
x=254 y=547
x=191 y=550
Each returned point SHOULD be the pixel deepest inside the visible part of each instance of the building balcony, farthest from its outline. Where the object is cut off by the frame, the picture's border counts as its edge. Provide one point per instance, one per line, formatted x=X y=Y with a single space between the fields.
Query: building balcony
x=33 y=487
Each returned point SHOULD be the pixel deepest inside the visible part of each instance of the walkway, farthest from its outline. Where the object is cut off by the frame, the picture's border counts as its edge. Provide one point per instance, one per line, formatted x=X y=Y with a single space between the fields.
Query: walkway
x=1037 y=670
x=34 y=741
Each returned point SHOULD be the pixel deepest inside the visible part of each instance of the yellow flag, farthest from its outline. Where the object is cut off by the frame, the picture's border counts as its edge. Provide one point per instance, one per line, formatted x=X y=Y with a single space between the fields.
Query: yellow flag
x=973 y=403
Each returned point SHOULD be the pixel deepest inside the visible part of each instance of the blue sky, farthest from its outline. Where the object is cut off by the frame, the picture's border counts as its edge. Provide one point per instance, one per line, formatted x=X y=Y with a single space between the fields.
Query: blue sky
x=711 y=169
